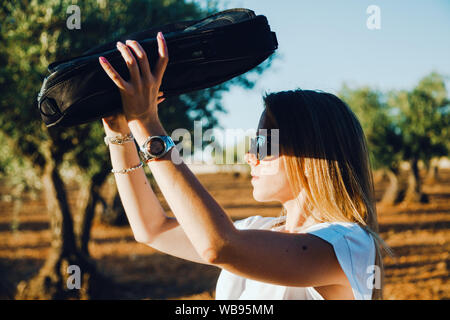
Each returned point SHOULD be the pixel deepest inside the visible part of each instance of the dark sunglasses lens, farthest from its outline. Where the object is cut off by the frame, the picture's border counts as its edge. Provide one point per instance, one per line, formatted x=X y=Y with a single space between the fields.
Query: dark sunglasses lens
x=259 y=146
x=261 y=142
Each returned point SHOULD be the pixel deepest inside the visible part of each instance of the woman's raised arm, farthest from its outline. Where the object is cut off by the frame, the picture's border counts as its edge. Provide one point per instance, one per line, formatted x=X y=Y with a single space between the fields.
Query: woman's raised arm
x=262 y=255
x=148 y=221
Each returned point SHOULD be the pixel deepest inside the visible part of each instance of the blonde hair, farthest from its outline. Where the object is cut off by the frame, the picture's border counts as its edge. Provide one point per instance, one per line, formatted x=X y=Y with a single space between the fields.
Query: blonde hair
x=326 y=156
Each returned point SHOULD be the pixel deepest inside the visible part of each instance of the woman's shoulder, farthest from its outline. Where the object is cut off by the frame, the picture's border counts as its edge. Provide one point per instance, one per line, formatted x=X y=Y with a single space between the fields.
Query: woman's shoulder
x=332 y=232
x=355 y=250
x=353 y=245
x=256 y=222
x=355 y=236
x=338 y=228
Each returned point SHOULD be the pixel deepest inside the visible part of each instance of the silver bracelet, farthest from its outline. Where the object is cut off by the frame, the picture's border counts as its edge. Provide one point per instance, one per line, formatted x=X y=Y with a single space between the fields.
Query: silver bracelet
x=120 y=139
x=140 y=165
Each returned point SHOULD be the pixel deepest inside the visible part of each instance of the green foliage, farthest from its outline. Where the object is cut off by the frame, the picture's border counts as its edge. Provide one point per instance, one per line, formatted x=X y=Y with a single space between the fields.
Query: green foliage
x=403 y=125
x=33 y=34
x=384 y=140
x=16 y=172
x=424 y=118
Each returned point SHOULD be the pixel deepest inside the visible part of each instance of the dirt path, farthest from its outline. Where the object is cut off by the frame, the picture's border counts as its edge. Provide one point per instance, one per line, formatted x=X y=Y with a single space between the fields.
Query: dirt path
x=419 y=235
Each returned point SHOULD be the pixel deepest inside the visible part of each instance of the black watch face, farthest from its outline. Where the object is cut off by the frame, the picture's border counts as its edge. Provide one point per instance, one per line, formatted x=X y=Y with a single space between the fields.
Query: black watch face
x=156 y=147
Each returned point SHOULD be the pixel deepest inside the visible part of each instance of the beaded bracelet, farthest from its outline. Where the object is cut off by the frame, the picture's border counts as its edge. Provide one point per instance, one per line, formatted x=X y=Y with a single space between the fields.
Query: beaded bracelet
x=140 y=165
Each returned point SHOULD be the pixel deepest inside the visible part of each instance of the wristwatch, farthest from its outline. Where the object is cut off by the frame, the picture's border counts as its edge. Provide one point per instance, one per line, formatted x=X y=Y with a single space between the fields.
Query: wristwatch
x=155 y=147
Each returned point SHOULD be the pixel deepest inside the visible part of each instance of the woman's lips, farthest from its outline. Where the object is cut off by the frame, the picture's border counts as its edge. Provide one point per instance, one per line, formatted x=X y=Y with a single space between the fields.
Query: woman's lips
x=255 y=178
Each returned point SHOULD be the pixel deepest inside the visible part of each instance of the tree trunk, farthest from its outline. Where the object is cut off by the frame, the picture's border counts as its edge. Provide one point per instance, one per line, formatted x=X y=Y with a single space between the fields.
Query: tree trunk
x=89 y=212
x=378 y=176
x=414 y=191
x=390 y=196
x=433 y=173
x=6 y=286
x=114 y=213
x=52 y=280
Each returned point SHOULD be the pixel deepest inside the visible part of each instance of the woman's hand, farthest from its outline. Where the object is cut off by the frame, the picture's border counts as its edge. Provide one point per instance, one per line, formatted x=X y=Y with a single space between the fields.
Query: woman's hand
x=117 y=124
x=140 y=95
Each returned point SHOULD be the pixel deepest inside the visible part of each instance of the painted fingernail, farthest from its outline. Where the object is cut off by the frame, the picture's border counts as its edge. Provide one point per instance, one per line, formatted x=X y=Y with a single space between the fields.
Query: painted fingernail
x=102 y=59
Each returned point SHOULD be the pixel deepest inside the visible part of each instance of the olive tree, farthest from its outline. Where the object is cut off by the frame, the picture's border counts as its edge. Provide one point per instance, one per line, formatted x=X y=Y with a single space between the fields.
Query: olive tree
x=34 y=34
x=383 y=136
x=424 y=119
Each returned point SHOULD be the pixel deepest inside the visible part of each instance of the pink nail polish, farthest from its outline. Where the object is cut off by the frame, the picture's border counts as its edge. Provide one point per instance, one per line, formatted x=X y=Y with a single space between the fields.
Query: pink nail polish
x=102 y=59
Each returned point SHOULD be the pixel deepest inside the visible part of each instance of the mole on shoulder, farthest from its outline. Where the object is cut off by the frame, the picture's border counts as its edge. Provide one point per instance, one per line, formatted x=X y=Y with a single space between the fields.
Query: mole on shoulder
x=304 y=247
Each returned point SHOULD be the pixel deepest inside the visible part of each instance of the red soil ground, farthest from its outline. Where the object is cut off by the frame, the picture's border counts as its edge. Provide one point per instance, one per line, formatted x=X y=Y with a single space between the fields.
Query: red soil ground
x=418 y=234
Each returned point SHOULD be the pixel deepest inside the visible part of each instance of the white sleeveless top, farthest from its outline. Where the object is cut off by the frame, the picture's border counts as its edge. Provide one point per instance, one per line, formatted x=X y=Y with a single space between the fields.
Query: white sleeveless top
x=354 y=248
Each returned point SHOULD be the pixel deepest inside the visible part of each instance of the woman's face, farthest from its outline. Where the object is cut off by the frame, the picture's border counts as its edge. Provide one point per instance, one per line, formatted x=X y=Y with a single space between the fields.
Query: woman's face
x=269 y=176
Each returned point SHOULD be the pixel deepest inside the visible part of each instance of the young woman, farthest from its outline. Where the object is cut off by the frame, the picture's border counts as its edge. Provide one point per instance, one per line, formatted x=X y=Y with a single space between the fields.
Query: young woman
x=323 y=246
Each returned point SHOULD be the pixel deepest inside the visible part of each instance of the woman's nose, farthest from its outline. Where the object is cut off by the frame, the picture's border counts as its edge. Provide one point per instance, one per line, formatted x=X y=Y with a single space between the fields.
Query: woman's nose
x=251 y=159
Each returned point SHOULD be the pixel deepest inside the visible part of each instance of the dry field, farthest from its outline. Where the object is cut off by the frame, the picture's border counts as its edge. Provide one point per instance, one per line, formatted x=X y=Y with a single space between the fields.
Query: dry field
x=419 y=235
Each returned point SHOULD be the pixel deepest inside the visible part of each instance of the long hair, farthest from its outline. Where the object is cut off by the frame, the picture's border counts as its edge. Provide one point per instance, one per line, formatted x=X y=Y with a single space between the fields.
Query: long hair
x=326 y=156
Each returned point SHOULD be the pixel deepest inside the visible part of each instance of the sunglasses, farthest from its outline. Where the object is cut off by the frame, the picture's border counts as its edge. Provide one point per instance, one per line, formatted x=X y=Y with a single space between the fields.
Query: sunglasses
x=261 y=147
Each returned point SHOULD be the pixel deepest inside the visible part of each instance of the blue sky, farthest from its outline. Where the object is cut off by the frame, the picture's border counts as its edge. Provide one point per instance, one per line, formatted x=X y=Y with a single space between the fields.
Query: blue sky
x=323 y=43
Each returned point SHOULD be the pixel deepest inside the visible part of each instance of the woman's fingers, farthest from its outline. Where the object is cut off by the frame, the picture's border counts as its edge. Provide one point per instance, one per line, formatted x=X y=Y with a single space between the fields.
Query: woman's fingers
x=112 y=73
x=133 y=67
x=131 y=63
x=163 y=57
x=142 y=58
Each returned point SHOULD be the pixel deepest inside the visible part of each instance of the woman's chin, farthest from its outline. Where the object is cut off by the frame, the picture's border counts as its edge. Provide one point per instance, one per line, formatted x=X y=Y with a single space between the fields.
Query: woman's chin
x=260 y=197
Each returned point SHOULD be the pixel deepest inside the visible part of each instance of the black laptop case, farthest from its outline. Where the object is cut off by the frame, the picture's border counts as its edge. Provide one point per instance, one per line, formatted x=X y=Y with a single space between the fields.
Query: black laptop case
x=202 y=54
